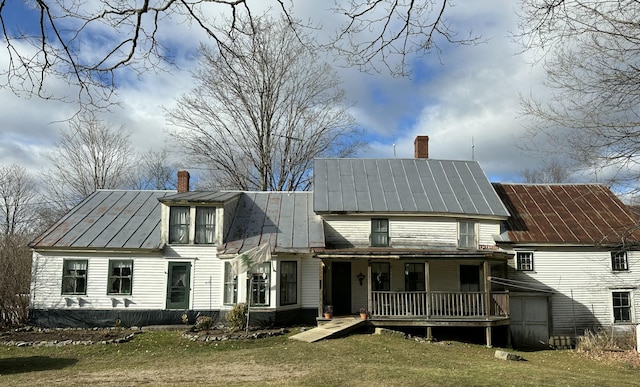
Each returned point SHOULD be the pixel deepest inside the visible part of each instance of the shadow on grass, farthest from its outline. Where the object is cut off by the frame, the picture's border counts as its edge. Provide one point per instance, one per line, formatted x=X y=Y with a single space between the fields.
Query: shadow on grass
x=18 y=365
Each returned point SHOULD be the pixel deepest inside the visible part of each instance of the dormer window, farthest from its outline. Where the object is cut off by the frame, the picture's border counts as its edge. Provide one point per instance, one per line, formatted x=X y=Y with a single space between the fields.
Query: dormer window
x=179 y=225
x=205 y=225
x=467 y=235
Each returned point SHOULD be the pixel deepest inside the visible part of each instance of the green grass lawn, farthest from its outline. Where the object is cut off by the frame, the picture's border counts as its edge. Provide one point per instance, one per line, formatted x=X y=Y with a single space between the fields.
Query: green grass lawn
x=165 y=358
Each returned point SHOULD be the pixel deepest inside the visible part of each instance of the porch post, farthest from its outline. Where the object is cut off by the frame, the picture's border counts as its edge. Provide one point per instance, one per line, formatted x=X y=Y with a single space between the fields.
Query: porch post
x=370 y=307
x=427 y=278
x=488 y=332
x=487 y=290
x=321 y=285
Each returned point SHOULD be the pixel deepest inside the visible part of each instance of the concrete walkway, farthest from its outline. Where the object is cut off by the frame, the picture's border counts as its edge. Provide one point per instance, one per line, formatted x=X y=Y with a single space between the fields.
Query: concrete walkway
x=337 y=327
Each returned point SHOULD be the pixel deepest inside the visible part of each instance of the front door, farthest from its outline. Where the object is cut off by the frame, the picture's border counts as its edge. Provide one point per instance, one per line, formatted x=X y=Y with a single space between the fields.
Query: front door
x=341 y=287
x=178 y=285
x=469 y=278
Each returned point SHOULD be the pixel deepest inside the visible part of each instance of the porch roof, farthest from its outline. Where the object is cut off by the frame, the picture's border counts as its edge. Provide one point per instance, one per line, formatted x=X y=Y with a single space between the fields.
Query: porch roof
x=375 y=253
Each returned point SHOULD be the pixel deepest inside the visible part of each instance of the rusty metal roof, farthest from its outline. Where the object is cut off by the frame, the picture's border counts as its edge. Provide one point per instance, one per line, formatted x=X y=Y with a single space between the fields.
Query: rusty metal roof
x=108 y=219
x=285 y=219
x=404 y=186
x=566 y=213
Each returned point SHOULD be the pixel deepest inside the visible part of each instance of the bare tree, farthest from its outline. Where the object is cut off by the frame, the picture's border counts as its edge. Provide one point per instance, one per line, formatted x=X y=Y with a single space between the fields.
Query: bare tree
x=547 y=173
x=590 y=51
x=90 y=155
x=154 y=171
x=264 y=108
x=88 y=44
x=17 y=197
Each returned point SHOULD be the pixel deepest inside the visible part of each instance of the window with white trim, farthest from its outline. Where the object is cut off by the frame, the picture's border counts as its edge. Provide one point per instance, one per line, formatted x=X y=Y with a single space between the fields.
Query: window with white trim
x=380 y=276
x=179 y=225
x=259 y=285
x=467 y=235
x=288 y=282
x=120 y=276
x=621 y=307
x=524 y=260
x=619 y=261
x=230 y=285
x=379 y=232
x=74 y=276
x=205 y=225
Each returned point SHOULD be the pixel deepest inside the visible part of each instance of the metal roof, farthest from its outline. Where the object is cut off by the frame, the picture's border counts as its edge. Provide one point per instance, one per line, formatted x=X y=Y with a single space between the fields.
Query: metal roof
x=210 y=197
x=404 y=186
x=285 y=219
x=566 y=213
x=108 y=219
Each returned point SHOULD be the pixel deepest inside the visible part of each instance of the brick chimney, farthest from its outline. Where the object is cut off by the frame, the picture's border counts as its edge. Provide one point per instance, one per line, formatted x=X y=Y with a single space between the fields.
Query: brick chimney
x=183 y=181
x=421 y=147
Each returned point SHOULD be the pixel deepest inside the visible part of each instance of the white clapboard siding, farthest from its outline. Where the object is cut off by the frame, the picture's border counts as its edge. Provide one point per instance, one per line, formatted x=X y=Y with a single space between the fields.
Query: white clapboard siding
x=487 y=230
x=423 y=231
x=343 y=231
x=347 y=231
x=583 y=282
x=148 y=290
x=207 y=274
x=309 y=281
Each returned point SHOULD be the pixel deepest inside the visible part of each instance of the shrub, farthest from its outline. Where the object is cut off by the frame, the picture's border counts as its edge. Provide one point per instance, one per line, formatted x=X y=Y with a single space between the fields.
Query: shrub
x=204 y=323
x=237 y=317
x=604 y=339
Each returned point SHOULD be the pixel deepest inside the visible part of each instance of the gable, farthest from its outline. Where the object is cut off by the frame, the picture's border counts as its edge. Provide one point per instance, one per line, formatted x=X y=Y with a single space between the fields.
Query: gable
x=404 y=186
x=566 y=213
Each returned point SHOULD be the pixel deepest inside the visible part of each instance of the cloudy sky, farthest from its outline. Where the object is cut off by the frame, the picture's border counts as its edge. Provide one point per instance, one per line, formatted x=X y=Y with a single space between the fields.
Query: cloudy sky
x=466 y=97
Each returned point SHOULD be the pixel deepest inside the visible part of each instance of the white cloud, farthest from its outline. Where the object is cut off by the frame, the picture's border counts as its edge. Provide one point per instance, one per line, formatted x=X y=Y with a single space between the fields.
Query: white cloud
x=470 y=92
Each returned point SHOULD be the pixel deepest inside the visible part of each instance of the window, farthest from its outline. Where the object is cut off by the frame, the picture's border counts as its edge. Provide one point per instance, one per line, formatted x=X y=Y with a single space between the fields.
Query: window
x=414 y=277
x=379 y=232
x=120 y=275
x=619 y=261
x=380 y=276
x=258 y=284
x=524 y=261
x=621 y=307
x=467 y=235
x=179 y=225
x=230 y=285
x=74 y=277
x=205 y=224
x=288 y=282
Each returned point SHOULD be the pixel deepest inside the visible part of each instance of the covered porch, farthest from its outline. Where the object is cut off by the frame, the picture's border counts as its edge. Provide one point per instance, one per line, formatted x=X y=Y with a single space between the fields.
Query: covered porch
x=409 y=289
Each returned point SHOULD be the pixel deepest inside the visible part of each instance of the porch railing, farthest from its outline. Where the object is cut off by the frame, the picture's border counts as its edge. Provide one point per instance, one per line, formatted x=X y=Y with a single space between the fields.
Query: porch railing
x=437 y=304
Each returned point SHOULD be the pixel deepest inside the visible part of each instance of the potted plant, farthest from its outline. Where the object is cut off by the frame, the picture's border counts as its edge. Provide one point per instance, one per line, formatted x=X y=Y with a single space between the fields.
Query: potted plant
x=364 y=313
x=328 y=312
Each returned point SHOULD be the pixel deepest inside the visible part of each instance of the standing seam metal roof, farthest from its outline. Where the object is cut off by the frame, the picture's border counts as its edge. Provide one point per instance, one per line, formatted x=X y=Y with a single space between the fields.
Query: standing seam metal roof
x=404 y=186
x=285 y=219
x=566 y=213
x=108 y=219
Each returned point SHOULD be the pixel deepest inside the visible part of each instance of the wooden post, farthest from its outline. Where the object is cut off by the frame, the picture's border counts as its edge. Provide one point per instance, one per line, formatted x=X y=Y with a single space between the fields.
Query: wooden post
x=429 y=335
x=488 y=332
x=427 y=278
x=370 y=307
x=487 y=289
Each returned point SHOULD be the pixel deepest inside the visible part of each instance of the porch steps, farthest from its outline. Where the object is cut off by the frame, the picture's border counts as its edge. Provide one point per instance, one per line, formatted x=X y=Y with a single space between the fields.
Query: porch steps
x=338 y=326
